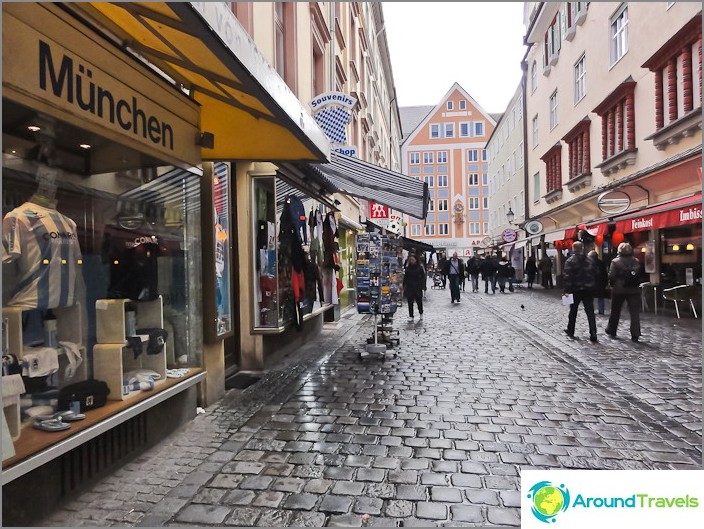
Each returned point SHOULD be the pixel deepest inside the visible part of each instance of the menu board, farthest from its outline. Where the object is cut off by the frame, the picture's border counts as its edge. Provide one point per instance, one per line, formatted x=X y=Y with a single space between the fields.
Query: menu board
x=379 y=273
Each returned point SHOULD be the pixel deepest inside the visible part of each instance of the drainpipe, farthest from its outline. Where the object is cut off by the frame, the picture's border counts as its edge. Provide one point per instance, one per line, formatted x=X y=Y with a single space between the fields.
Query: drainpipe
x=526 y=176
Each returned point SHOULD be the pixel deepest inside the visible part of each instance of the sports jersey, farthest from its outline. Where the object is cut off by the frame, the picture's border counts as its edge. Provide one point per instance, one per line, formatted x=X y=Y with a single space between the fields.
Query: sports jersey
x=44 y=244
x=132 y=258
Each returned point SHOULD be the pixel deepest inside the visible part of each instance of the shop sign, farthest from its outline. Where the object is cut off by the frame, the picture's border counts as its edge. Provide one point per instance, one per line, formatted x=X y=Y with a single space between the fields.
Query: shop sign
x=395 y=223
x=533 y=227
x=486 y=241
x=78 y=82
x=675 y=217
x=613 y=202
x=333 y=111
x=509 y=235
x=347 y=150
x=378 y=211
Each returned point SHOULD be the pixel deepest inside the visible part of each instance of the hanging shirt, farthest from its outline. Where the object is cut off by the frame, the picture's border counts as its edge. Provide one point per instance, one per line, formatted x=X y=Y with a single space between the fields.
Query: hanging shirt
x=132 y=258
x=44 y=244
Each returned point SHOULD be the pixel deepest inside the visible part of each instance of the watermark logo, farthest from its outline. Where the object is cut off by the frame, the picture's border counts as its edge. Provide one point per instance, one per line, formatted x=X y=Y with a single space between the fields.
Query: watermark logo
x=548 y=500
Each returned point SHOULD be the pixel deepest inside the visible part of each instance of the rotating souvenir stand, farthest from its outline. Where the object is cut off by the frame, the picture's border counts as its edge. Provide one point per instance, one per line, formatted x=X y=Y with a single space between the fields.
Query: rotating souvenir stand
x=112 y=357
x=69 y=328
x=379 y=279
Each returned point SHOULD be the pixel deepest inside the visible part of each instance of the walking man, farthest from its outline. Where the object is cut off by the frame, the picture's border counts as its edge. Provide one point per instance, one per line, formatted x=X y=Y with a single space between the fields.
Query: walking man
x=488 y=269
x=455 y=271
x=473 y=271
x=413 y=285
x=580 y=281
x=442 y=268
x=624 y=276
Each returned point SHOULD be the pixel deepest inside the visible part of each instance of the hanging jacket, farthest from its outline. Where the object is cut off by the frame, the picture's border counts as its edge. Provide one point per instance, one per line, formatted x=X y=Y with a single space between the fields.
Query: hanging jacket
x=298 y=217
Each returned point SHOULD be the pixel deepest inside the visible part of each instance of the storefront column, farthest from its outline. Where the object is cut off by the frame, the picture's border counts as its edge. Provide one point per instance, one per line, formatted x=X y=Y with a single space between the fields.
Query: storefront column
x=214 y=363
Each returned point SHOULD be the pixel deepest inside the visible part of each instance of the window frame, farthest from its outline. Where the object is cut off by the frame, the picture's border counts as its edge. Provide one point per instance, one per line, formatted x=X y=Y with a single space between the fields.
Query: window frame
x=535 y=131
x=580 y=79
x=536 y=187
x=467 y=125
x=449 y=127
x=442 y=178
x=450 y=105
x=478 y=125
x=469 y=156
x=470 y=178
x=485 y=202
x=484 y=155
x=429 y=179
x=428 y=229
x=617 y=34
x=446 y=226
x=441 y=157
x=475 y=228
x=414 y=156
x=534 y=77
x=435 y=126
x=463 y=104
x=473 y=201
x=428 y=155
x=553 y=110
x=416 y=232
x=443 y=202
x=431 y=206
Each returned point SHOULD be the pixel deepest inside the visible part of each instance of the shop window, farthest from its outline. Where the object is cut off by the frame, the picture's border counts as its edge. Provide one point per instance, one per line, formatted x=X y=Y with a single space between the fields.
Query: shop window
x=101 y=259
x=681 y=255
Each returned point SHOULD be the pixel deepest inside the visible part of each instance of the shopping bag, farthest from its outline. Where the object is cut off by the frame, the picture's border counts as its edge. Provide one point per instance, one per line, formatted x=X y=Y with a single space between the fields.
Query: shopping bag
x=567 y=299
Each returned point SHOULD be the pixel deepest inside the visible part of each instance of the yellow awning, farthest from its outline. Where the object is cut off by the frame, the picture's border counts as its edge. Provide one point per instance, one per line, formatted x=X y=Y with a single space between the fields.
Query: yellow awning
x=246 y=105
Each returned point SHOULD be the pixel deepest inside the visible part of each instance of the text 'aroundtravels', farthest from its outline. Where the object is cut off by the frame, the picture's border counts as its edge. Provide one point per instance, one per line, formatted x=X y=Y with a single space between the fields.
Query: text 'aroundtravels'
x=77 y=87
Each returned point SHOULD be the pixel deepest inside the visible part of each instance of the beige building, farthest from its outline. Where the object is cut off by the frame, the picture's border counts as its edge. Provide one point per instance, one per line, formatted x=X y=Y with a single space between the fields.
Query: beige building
x=507 y=171
x=613 y=98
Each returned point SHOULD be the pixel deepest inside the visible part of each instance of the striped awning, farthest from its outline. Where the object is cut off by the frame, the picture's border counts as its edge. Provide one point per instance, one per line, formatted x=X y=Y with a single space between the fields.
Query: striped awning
x=371 y=182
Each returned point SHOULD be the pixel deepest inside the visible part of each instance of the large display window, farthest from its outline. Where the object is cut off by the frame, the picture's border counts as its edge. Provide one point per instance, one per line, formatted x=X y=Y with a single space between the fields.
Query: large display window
x=101 y=271
x=296 y=255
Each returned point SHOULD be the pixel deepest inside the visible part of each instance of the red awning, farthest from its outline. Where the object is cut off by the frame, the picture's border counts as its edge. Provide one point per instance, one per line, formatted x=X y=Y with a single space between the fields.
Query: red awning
x=595 y=229
x=686 y=210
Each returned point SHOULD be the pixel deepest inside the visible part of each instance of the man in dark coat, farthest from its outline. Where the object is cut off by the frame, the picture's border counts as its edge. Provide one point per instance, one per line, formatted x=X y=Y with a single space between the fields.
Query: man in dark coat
x=413 y=285
x=625 y=278
x=531 y=270
x=473 y=271
x=488 y=269
x=455 y=271
x=442 y=268
x=602 y=280
x=579 y=280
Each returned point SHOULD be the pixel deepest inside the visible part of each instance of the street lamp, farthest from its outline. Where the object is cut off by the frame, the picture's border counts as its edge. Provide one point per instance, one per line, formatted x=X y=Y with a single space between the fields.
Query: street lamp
x=510 y=215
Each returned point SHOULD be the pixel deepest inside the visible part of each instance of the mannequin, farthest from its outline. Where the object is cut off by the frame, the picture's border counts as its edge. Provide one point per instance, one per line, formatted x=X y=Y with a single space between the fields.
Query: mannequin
x=43 y=245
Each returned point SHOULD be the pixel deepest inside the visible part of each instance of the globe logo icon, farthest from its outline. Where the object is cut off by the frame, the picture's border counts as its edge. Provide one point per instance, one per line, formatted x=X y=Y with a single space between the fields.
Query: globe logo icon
x=548 y=500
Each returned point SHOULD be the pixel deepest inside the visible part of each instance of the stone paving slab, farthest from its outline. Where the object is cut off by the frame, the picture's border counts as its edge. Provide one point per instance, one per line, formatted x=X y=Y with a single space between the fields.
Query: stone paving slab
x=435 y=435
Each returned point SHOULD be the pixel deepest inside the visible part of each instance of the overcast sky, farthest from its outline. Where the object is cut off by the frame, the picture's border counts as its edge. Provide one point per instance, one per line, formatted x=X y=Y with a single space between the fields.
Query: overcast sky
x=435 y=44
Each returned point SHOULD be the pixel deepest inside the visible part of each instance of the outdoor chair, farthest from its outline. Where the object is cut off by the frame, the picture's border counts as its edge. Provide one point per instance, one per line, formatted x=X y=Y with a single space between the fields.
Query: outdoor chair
x=643 y=295
x=681 y=293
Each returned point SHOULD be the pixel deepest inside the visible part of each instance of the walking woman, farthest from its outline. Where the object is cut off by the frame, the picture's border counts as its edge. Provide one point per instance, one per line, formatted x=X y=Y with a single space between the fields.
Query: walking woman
x=625 y=278
x=531 y=270
x=413 y=285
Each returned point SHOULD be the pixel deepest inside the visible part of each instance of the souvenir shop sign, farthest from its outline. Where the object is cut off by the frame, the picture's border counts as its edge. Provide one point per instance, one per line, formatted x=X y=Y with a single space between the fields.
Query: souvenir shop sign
x=333 y=112
x=81 y=77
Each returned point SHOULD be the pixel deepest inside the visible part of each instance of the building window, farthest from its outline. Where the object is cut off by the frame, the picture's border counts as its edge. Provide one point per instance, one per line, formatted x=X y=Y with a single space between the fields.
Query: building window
x=428 y=158
x=619 y=34
x=473 y=203
x=463 y=104
x=442 y=204
x=450 y=105
x=553 y=110
x=536 y=188
x=485 y=202
x=430 y=229
x=442 y=180
x=533 y=77
x=479 y=128
x=474 y=228
x=473 y=179
x=483 y=155
x=472 y=155
x=464 y=130
x=431 y=205
x=415 y=229
x=551 y=47
x=485 y=179
x=578 y=143
x=449 y=130
x=430 y=180
x=486 y=227
x=415 y=158
x=618 y=126
x=442 y=156
x=520 y=154
x=284 y=27
x=580 y=79
x=444 y=229
x=535 y=131
x=553 y=168
x=280 y=38
x=434 y=130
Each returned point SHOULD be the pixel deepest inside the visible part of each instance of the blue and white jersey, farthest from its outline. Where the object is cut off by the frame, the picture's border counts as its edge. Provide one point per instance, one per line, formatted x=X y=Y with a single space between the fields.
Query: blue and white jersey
x=44 y=244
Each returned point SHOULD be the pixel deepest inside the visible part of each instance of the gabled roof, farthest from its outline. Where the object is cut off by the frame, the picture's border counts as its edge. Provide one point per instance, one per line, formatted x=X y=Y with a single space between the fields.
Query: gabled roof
x=453 y=88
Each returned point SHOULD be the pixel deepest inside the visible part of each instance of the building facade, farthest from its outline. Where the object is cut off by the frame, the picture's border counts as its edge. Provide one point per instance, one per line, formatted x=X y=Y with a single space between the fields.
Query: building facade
x=507 y=172
x=447 y=150
x=613 y=98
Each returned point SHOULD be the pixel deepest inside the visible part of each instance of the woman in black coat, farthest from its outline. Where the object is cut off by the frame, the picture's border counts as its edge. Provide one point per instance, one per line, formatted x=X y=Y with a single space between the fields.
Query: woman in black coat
x=602 y=280
x=531 y=270
x=413 y=285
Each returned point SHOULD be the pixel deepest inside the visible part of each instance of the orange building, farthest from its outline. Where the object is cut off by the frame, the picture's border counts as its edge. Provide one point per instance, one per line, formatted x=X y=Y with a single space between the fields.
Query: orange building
x=447 y=148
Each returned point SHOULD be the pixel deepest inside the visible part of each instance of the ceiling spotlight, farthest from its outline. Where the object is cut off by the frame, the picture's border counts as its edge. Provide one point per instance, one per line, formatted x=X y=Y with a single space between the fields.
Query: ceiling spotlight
x=34 y=128
x=84 y=146
x=690 y=247
x=13 y=151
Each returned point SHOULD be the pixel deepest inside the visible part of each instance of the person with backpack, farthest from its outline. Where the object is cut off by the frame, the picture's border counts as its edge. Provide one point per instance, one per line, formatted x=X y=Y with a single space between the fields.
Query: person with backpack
x=504 y=273
x=625 y=279
x=579 y=279
x=473 y=272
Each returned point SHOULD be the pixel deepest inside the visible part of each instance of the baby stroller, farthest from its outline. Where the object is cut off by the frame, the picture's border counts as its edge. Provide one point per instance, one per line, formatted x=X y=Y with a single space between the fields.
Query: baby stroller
x=437 y=280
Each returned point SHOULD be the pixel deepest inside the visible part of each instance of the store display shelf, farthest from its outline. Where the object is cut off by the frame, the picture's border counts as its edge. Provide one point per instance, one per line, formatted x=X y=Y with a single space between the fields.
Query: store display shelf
x=282 y=329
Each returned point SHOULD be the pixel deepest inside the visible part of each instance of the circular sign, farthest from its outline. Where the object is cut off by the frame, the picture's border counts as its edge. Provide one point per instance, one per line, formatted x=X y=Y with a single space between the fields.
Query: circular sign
x=533 y=227
x=613 y=202
x=509 y=235
x=486 y=241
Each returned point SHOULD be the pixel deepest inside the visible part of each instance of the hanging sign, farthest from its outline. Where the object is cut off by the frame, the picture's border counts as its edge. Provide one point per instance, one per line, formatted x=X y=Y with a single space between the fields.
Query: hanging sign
x=378 y=211
x=613 y=202
x=509 y=235
x=533 y=227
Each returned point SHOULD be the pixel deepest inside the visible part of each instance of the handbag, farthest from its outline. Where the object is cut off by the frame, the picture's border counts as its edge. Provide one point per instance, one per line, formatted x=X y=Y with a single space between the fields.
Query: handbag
x=567 y=299
x=90 y=394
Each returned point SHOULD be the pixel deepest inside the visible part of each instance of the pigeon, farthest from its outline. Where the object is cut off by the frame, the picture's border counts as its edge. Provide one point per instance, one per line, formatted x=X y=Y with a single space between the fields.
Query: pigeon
x=523 y=307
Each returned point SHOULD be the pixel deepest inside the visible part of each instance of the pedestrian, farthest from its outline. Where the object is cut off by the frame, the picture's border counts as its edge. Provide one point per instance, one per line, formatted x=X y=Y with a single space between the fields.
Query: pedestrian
x=531 y=270
x=455 y=271
x=473 y=272
x=579 y=279
x=488 y=270
x=463 y=279
x=414 y=279
x=442 y=269
x=503 y=273
x=624 y=278
x=602 y=280
x=545 y=267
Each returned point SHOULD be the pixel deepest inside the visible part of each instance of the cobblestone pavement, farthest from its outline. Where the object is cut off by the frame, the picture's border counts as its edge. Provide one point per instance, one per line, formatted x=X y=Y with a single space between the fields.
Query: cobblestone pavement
x=435 y=435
